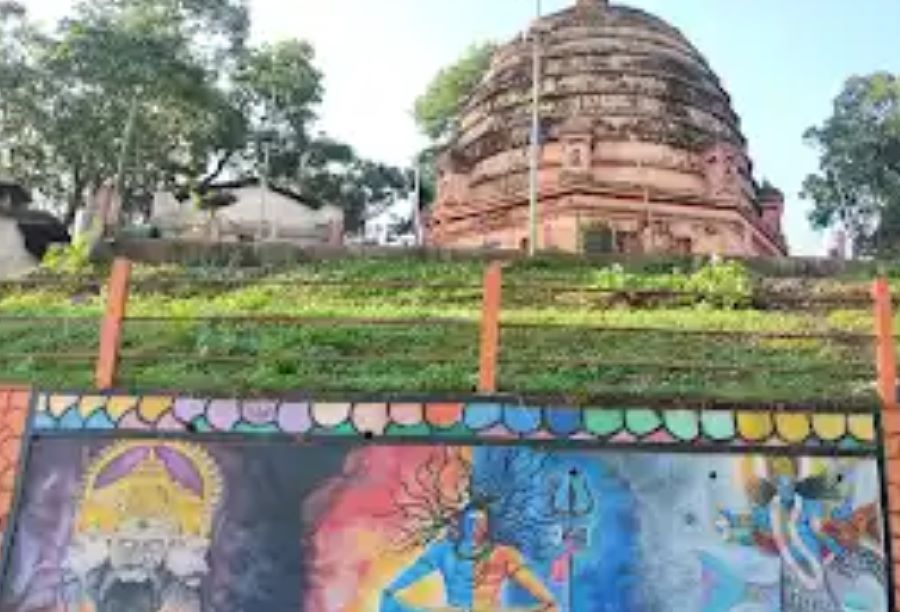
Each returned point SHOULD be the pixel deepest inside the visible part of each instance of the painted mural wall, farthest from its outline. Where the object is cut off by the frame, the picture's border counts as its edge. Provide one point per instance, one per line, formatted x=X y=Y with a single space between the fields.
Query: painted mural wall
x=167 y=504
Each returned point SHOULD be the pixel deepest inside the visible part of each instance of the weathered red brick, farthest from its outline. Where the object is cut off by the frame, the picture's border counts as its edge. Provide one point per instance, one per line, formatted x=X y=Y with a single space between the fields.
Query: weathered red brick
x=892 y=464
x=892 y=469
x=9 y=452
x=8 y=479
x=895 y=550
x=893 y=474
x=19 y=399
x=13 y=413
x=890 y=420
x=894 y=498
x=892 y=447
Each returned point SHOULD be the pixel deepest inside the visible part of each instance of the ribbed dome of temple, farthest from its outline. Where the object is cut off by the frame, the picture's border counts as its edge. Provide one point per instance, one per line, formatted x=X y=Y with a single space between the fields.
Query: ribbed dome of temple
x=629 y=111
x=636 y=75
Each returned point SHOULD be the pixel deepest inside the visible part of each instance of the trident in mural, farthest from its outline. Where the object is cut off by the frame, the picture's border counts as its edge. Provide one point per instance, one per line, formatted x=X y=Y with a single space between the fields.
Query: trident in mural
x=571 y=504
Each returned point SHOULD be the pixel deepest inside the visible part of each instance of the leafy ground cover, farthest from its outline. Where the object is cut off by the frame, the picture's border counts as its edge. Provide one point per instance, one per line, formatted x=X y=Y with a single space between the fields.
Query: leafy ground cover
x=569 y=329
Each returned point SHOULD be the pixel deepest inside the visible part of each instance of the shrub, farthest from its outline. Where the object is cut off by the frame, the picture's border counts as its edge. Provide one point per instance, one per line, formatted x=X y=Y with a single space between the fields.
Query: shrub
x=72 y=259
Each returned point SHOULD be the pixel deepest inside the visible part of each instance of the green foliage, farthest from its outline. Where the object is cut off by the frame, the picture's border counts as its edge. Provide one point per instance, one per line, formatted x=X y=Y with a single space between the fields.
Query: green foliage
x=280 y=85
x=112 y=60
x=199 y=96
x=437 y=109
x=858 y=184
x=427 y=177
x=71 y=259
x=724 y=284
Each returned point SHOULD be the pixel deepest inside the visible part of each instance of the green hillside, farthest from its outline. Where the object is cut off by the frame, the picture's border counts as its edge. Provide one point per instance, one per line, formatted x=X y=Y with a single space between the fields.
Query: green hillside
x=571 y=329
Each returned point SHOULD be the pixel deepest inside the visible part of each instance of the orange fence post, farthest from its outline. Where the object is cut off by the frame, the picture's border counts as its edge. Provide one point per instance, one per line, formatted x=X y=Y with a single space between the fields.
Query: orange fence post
x=886 y=356
x=490 y=328
x=111 y=328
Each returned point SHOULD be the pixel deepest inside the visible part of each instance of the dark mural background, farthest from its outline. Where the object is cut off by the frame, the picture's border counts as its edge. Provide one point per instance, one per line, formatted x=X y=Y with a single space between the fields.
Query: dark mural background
x=156 y=524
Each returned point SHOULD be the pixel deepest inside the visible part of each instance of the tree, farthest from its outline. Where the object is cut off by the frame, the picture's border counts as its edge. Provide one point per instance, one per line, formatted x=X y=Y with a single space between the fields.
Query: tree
x=437 y=109
x=118 y=68
x=279 y=86
x=858 y=184
x=167 y=93
x=16 y=83
x=426 y=163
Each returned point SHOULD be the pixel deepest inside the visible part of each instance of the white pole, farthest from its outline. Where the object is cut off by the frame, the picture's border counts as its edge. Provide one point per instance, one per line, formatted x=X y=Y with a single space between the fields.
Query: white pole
x=127 y=136
x=266 y=169
x=264 y=184
x=535 y=136
x=417 y=203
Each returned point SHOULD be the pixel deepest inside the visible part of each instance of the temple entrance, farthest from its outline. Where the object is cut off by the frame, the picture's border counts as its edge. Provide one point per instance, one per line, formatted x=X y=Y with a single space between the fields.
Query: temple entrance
x=598 y=240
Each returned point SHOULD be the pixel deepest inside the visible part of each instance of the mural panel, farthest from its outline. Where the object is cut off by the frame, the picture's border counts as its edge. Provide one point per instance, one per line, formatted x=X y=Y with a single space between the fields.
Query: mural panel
x=238 y=523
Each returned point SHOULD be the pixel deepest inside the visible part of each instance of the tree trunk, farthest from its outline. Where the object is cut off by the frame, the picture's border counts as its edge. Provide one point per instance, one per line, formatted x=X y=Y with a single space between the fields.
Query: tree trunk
x=220 y=166
x=76 y=197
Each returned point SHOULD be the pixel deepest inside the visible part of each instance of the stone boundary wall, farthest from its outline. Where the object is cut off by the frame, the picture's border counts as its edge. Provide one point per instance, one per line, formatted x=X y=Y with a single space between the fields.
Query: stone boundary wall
x=161 y=251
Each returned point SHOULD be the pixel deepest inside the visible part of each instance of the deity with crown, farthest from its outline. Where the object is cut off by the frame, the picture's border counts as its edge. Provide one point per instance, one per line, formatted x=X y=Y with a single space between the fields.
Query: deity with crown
x=143 y=532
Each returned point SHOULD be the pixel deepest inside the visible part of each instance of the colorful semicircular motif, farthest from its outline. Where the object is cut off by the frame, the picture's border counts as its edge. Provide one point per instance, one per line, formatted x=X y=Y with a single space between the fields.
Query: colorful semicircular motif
x=476 y=420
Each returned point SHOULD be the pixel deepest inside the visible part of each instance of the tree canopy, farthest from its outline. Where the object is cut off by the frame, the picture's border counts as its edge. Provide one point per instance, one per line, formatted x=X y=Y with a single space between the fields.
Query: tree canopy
x=858 y=183
x=168 y=93
x=437 y=109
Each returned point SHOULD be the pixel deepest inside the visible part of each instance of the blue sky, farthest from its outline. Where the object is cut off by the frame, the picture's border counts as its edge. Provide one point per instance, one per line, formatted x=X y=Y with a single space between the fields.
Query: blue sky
x=782 y=61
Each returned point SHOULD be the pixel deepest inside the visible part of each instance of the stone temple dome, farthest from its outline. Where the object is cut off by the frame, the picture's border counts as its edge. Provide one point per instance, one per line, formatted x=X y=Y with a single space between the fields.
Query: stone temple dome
x=640 y=149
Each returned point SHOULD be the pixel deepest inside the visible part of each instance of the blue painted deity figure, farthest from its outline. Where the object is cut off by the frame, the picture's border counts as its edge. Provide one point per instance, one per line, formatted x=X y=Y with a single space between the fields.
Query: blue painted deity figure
x=474 y=569
x=815 y=531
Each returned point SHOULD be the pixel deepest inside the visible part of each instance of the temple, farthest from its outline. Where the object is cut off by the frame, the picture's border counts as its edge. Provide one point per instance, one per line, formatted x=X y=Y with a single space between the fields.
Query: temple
x=640 y=149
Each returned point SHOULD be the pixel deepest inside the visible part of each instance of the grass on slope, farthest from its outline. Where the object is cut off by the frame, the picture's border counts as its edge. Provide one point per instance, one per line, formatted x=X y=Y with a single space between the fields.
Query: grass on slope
x=550 y=346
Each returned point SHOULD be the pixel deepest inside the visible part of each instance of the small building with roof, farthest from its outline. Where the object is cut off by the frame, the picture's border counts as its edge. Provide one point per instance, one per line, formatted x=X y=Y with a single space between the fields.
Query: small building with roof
x=25 y=235
x=247 y=211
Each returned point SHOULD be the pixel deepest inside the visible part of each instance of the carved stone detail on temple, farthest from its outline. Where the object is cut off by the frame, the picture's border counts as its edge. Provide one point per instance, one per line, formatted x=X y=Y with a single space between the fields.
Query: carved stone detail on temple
x=640 y=147
x=724 y=173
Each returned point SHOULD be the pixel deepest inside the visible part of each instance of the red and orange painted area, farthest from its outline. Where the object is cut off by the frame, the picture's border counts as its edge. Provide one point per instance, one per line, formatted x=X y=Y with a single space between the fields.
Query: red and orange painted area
x=13 y=414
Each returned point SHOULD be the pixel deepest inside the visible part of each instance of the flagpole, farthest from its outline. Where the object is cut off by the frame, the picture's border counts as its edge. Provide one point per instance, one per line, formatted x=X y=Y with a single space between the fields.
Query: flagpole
x=535 y=135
